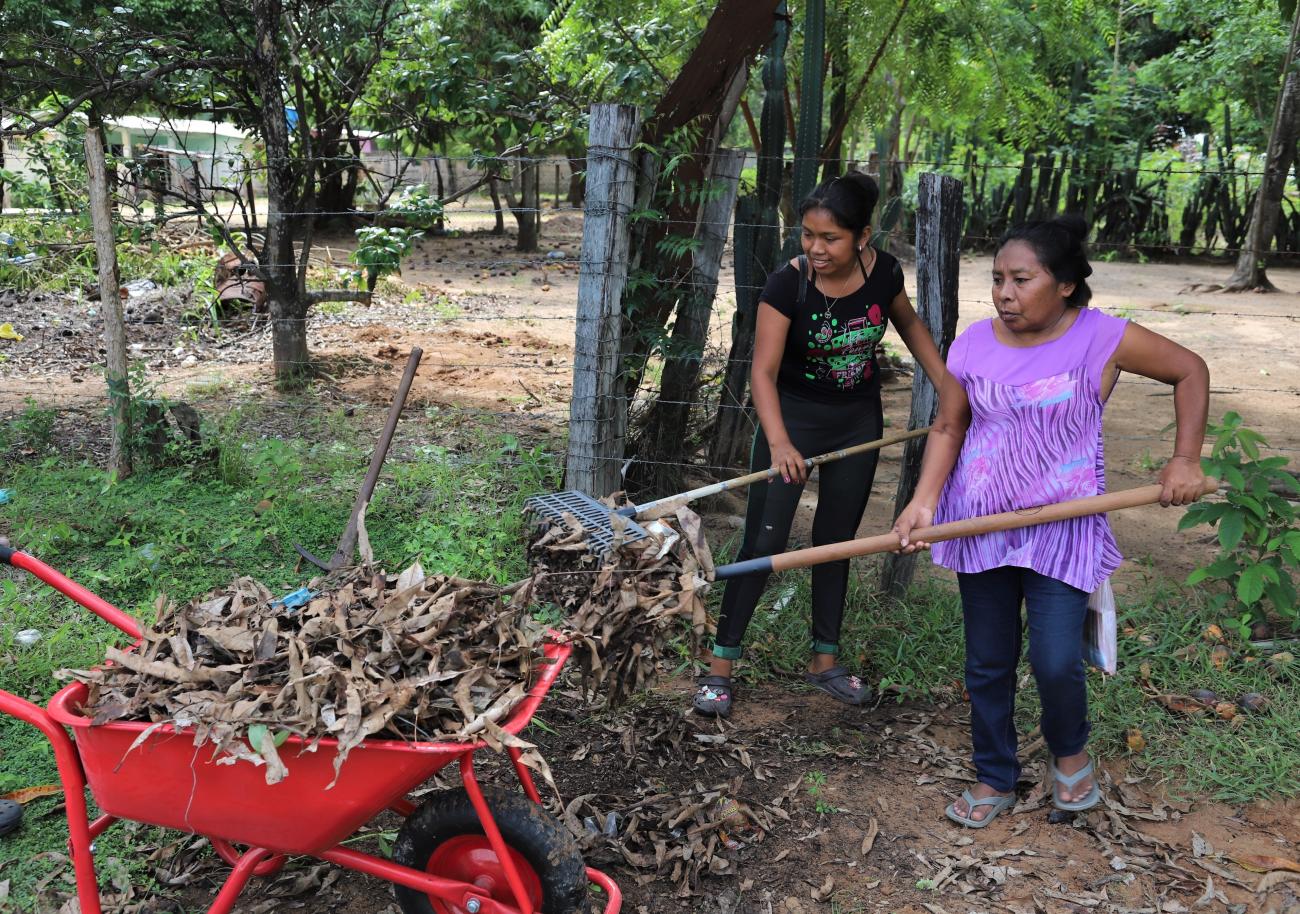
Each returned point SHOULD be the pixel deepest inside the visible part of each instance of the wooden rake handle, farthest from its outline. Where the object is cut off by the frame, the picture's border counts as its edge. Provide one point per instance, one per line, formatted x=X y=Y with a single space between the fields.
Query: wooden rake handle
x=972 y=526
x=348 y=542
x=665 y=506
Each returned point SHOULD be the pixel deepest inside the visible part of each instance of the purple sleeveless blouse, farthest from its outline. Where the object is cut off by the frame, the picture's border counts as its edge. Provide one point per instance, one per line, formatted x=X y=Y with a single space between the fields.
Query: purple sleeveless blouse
x=1035 y=438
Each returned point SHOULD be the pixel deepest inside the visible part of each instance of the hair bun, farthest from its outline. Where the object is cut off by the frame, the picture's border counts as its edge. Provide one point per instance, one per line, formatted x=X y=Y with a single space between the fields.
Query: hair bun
x=1075 y=224
x=1061 y=246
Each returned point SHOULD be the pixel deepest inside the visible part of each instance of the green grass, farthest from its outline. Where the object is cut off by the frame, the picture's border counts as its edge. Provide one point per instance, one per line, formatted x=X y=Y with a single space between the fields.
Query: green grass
x=182 y=531
x=914 y=649
x=1257 y=756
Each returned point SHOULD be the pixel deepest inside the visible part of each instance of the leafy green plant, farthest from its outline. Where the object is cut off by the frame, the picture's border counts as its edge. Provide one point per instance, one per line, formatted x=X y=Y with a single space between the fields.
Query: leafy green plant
x=32 y=429
x=815 y=782
x=380 y=252
x=1148 y=463
x=418 y=207
x=1259 y=545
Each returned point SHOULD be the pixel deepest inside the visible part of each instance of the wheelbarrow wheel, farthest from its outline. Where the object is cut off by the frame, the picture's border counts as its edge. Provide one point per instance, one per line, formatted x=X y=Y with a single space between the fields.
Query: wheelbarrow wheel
x=445 y=837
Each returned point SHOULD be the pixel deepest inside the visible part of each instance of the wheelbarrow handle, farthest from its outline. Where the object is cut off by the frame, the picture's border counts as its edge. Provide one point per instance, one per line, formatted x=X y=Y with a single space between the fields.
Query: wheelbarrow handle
x=70 y=589
x=664 y=506
x=971 y=526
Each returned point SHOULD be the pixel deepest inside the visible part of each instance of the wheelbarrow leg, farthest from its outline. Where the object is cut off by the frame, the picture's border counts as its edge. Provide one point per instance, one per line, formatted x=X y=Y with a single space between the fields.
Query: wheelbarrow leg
x=525 y=776
x=237 y=879
x=493 y=833
x=73 y=780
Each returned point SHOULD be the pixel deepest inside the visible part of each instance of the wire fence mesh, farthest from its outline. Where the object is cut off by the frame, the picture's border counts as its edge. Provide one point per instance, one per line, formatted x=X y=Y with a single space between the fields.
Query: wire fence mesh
x=482 y=292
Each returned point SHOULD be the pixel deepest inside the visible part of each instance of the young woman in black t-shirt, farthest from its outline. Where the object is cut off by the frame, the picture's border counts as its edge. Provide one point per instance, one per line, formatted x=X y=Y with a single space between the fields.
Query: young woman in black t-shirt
x=816 y=389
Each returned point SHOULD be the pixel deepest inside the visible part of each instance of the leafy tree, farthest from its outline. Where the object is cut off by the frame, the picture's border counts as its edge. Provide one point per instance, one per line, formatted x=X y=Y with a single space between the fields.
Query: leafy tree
x=313 y=57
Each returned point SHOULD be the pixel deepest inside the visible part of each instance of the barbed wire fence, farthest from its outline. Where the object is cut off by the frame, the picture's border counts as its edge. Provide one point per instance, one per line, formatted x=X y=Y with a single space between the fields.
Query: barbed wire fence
x=584 y=399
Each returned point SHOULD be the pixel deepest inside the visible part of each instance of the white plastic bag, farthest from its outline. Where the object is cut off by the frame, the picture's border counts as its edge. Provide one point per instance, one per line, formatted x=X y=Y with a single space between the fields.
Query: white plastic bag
x=1100 y=640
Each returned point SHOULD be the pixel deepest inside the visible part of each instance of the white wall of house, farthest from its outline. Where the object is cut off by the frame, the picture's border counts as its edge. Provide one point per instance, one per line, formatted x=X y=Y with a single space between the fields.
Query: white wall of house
x=199 y=153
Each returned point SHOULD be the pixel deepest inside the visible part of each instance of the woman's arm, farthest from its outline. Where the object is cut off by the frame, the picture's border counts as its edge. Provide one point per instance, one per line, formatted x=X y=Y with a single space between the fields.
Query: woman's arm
x=769 y=347
x=941 y=449
x=1151 y=355
x=916 y=336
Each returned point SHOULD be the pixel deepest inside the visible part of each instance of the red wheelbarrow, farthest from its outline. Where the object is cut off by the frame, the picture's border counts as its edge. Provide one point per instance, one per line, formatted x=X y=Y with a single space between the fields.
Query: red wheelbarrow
x=462 y=851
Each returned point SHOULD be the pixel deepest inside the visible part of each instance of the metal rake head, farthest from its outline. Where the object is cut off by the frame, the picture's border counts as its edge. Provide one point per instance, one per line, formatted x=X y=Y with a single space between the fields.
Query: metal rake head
x=596 y=518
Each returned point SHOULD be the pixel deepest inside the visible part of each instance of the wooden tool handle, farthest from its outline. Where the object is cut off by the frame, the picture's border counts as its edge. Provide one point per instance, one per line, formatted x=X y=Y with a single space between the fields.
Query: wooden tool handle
x=665 y=506
x=974 y=526
x=348 y=542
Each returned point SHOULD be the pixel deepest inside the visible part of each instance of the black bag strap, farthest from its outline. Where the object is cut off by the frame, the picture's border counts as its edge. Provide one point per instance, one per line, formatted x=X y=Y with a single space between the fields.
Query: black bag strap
x=803 y=275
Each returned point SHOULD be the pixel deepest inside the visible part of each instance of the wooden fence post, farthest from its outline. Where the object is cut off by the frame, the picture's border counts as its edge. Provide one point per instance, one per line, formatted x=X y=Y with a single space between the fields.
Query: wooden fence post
x=597 y=413
x=938 y=259
x=101 y=218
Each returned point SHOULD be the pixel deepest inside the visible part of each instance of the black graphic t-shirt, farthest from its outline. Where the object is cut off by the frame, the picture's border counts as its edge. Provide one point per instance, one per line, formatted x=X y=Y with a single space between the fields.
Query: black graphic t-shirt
x=830 y=351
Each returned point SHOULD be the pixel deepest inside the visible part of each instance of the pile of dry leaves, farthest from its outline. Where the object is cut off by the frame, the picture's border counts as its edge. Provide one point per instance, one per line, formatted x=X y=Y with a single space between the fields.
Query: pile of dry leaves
x=405 y=656
x=368 y=654
x=626 y=606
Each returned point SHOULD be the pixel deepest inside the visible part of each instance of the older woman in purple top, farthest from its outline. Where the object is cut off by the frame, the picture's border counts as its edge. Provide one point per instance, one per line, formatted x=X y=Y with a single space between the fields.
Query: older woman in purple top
x=1019 y=425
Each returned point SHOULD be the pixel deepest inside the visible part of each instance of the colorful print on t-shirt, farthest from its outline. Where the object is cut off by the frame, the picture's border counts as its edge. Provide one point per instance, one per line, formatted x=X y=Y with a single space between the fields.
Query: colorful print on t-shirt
x=843 y=353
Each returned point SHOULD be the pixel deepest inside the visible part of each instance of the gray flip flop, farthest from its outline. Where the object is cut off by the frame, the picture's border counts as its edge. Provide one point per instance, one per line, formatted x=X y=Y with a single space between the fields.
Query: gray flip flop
x=713 y=697
x=997 y=804
x=841 y=685
x=1068 y=781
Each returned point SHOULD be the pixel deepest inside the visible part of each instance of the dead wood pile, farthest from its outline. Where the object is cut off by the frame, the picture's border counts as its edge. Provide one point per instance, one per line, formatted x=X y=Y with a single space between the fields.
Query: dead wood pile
x=405 y=656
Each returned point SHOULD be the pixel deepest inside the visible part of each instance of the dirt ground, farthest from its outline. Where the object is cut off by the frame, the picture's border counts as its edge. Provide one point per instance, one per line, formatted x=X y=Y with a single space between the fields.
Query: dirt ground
x=497 y=330
x=854 y=800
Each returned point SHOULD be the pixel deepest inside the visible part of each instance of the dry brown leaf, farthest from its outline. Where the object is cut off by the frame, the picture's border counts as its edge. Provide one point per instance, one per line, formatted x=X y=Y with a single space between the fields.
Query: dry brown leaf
x=1272 y=880
x=868 y=842
x=25 y=795
x=825 y=891
x=1259 y=863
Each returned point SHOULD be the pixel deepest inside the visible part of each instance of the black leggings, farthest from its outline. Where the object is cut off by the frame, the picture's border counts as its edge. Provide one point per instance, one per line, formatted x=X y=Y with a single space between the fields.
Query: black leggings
x=844 y=485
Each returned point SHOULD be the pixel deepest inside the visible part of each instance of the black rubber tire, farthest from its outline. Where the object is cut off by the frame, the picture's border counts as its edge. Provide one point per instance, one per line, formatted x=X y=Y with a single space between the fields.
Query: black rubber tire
x=526 y=827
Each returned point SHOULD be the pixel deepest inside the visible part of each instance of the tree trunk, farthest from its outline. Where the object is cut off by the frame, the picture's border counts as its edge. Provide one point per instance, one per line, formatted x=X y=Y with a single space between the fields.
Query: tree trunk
x=530 y=205
x=705 y=95
x=837 y=126
x=833 y=154
x=666 y=428
x=577 y=175
x=101 y=215
x=523 y=207
x=1249 y=273
x=451 y=169
x=288 y=302
x=499 y=228
x=440 y=225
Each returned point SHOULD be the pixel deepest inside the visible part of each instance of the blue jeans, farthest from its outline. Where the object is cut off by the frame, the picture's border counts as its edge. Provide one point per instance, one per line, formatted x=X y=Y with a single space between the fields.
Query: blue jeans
x=991 y=612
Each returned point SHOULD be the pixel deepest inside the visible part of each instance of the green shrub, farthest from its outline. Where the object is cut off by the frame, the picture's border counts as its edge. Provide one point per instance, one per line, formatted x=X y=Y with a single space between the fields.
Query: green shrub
x=1259 y=544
